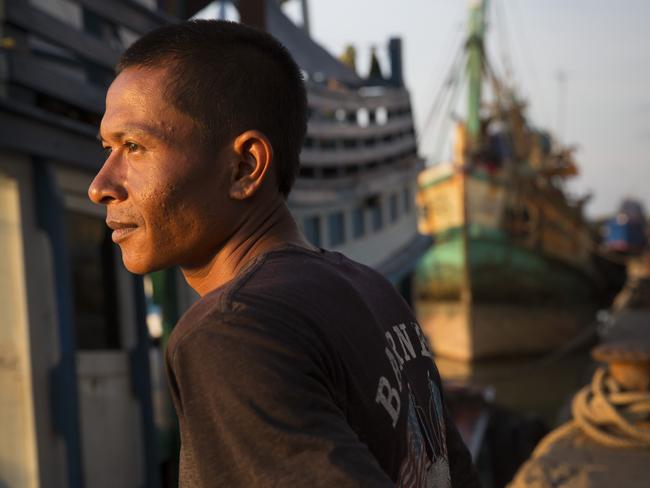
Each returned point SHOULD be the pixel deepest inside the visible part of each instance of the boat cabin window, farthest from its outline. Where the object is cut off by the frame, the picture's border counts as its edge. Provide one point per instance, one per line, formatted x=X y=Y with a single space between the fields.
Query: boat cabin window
x=336 y=228
x=358 y=222
x=311 y=227
x=381 y=116
x=424 y=212
x=331 y=172
x=351 y=170
x=406 y=200
x=376 y=213
x=94 y=284
x=328 y=114
x=328 y=144
x=392 y=206
x=363 y=119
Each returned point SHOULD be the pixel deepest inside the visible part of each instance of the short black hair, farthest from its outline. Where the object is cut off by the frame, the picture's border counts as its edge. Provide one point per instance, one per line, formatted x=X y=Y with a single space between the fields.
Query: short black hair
x=230 y=78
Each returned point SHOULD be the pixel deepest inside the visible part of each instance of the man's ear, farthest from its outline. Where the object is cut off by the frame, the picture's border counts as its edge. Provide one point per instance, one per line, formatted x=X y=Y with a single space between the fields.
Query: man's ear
x=254 y=155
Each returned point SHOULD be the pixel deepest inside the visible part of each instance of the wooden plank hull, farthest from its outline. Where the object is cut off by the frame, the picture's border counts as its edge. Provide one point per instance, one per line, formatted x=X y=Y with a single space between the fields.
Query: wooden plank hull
x=509 y=273
x=469 y=331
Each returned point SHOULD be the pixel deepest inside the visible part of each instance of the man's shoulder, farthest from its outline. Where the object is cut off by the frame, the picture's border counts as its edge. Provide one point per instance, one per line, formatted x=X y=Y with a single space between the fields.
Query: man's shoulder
x=291 y=292
x=266 y=286
x=202 y=312
x=292 y=267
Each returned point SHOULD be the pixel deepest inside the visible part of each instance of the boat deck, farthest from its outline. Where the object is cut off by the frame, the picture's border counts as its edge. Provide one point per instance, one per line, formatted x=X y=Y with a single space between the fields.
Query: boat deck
x=568 y=456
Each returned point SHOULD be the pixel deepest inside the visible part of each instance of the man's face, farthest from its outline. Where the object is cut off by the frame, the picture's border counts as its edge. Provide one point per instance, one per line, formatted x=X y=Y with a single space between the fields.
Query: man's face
x=167 y=197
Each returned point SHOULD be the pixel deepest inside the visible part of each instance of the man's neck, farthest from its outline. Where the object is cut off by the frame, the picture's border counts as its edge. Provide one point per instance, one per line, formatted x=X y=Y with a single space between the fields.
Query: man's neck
x=267 y=231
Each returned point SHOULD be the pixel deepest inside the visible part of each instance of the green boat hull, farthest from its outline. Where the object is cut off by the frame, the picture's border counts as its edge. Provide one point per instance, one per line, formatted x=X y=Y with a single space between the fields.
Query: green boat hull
x=518 y=302
x=498 y=270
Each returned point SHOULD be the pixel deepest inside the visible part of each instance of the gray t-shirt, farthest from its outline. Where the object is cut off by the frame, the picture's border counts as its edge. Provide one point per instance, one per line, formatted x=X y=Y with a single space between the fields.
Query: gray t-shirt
x=309 y=369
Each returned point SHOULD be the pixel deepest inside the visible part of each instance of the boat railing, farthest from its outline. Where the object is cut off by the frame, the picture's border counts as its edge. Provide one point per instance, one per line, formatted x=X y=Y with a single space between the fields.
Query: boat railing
x=340 y=156
x=348 y=130
x=363 y=176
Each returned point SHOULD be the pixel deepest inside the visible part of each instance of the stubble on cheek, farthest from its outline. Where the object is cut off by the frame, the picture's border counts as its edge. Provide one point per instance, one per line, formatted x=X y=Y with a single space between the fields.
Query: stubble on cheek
x=164 y=219
x=173 y=223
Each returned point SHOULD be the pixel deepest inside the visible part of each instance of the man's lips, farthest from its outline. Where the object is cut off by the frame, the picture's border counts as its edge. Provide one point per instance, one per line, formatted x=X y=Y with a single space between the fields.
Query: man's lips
x=121 y=230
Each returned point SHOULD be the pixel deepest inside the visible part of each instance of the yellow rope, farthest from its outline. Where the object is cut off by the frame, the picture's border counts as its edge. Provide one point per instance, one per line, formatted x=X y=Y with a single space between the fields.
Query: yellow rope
x=611 y=416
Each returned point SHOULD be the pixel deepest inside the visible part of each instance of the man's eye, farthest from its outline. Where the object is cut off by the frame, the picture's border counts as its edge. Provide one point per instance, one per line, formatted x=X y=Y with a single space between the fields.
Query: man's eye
x=131 y=146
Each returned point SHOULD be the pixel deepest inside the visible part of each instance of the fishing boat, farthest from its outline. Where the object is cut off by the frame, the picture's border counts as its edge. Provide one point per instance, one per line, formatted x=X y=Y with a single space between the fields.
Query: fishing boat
x=510 y=271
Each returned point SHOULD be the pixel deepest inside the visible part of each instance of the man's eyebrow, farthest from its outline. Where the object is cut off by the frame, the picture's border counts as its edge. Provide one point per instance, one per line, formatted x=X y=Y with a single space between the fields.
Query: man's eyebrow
x=136 y=129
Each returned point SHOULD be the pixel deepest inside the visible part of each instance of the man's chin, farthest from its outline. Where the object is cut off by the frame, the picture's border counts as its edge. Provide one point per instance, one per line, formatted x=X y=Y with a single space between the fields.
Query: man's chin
x=138 y=265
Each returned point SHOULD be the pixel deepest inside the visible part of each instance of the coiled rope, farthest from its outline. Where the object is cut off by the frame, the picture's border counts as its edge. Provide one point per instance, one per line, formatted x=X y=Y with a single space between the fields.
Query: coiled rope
x=607 y=414
x=612 y=416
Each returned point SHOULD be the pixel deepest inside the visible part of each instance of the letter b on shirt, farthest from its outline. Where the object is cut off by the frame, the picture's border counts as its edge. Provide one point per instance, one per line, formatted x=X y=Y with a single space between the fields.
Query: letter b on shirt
x=388 y=397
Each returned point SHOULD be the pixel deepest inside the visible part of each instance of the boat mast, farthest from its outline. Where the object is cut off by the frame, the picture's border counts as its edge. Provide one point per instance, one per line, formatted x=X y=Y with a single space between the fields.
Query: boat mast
x=474 y=69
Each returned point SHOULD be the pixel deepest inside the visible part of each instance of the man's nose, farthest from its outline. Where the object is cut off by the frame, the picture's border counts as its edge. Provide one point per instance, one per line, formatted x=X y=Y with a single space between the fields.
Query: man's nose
x=108 y=185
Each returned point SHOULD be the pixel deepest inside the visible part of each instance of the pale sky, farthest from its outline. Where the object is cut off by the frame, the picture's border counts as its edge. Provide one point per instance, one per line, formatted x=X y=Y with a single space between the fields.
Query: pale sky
x=602 y=46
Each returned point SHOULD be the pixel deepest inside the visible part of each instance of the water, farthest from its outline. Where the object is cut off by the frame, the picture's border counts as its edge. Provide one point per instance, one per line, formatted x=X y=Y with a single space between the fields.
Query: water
x=535 y=386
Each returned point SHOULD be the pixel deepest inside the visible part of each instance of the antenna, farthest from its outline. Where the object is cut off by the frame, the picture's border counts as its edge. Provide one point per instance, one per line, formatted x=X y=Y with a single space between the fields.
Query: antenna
x=561 y=78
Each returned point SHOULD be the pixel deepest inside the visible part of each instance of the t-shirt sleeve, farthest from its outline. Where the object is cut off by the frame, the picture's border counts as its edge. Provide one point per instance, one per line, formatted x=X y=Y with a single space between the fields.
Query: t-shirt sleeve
x=257 y=408
x=461 y=469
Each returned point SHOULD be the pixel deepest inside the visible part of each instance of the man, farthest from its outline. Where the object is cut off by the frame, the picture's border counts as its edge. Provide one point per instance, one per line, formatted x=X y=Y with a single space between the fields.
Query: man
x=298 y=367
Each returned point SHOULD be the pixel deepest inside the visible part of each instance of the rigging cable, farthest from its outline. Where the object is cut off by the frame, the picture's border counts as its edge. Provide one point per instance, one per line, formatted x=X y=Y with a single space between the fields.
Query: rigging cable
x=503 y=39
x=446 y=120
x=528 y=62
x=452 y=61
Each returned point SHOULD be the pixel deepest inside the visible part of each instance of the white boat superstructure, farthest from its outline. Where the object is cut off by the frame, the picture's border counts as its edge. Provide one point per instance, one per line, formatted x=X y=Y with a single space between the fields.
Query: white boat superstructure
x=356 y=188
